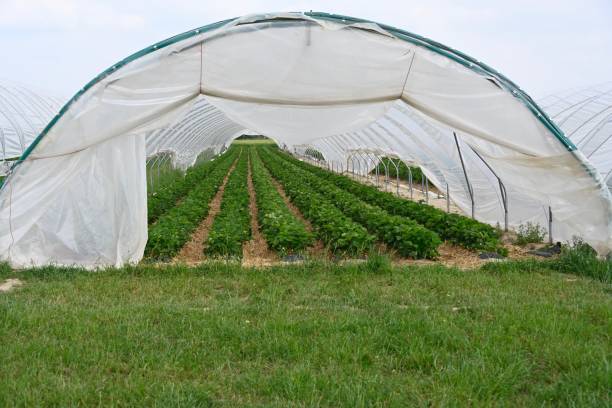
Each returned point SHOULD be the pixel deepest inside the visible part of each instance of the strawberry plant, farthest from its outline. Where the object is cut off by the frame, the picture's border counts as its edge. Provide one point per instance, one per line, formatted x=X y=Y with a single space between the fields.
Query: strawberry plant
x=283 y=231
x=336 y=230
x=406 y=236
x=175 y=185
x=454 y=228
x=174 y=228
x=232 y=226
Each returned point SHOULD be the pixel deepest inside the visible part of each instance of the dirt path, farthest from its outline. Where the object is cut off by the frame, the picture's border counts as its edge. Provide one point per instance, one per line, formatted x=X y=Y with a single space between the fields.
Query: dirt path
x=256 y=252
x=317 y=250
x=193 y=251
x=9 y=284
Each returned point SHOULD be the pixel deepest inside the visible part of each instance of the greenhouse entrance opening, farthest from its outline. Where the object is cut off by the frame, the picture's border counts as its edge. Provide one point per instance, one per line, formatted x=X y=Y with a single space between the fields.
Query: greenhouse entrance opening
x=344 y=87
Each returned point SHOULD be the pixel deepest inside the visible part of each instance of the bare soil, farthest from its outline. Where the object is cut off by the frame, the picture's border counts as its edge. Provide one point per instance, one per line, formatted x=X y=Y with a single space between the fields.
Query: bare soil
x=463 y=258
x=9 y=284
x=255 y=253
x=193 y=251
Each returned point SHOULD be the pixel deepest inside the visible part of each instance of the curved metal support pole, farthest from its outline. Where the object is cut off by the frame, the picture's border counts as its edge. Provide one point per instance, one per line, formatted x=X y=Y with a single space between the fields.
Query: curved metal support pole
x=467 y=179
x=410 y=181
x=2 y=138
x=502 y=189
x=366 y=162
x=608 y=176
x=377 y=173
x=386 y=167
x=396 y=176
x=151 y=168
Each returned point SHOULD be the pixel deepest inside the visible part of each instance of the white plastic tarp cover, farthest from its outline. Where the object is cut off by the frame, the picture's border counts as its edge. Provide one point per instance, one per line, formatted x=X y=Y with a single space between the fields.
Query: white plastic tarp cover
x=79 y=197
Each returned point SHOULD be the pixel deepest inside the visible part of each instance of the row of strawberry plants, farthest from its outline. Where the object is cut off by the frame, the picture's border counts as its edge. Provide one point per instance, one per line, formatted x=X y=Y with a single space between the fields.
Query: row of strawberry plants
x=174 y=228
x=454 y=228
x=175 y=186
x=232 y=226
x=284 y=233
x=406 y=236
x=336 y=230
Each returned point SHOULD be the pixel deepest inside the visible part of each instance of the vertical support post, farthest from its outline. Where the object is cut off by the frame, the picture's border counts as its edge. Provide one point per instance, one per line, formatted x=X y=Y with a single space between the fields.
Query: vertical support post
x=447 y=199
x=159 y=169
x=505 y=200
x=377 y=180
x=397 y=179
x=397 y=185
x=410 y=182
x=550 y=223
x=467 y=179
x=376 y=173
x=386 y=169
x=426 y=190
x=3 y=145
x=386 y=177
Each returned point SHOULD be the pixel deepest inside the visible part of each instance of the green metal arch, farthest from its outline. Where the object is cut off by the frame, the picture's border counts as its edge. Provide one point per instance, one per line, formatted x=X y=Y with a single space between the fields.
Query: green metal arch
x=415 y=39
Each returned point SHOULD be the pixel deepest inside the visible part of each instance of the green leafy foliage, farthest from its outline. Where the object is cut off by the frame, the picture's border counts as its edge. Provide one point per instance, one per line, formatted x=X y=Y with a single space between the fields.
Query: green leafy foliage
x=283 y=231
x=174 y=185
x=454 y=228
x=174 y=228
x=232 y=226
x=406 y=236
x=579 y=258
x=336 y=230
x=530 y=233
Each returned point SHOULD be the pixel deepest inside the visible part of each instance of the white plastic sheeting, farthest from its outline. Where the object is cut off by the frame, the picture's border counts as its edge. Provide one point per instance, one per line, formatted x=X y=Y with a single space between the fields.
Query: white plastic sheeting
x=24 y=112
x=585 y=115
x=334 y=83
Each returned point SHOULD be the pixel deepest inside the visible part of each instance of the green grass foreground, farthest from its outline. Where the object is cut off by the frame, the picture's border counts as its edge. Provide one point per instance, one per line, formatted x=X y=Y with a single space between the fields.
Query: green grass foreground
x=311 y=335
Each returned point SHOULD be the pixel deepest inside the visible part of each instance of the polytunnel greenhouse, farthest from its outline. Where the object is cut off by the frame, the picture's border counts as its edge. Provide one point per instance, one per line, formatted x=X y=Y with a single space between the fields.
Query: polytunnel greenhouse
x=24 y=112
x=585 y=115
x=345 y=87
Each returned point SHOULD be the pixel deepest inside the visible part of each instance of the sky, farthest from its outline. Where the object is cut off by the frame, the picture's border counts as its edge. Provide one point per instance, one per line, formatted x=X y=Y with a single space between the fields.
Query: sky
x=542 y=45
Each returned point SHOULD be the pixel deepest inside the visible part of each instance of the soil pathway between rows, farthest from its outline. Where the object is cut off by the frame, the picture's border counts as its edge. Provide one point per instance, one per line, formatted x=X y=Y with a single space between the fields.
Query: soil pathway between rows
x=256 y=252
x=193 y=251
x=318 y=248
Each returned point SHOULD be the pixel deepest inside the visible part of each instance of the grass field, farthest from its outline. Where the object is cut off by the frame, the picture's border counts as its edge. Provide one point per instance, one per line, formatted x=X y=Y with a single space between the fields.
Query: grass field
x=312 y=335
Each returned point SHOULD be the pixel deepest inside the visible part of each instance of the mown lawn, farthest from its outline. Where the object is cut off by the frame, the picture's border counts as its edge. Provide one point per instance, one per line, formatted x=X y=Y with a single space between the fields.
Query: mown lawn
x=314 y=335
